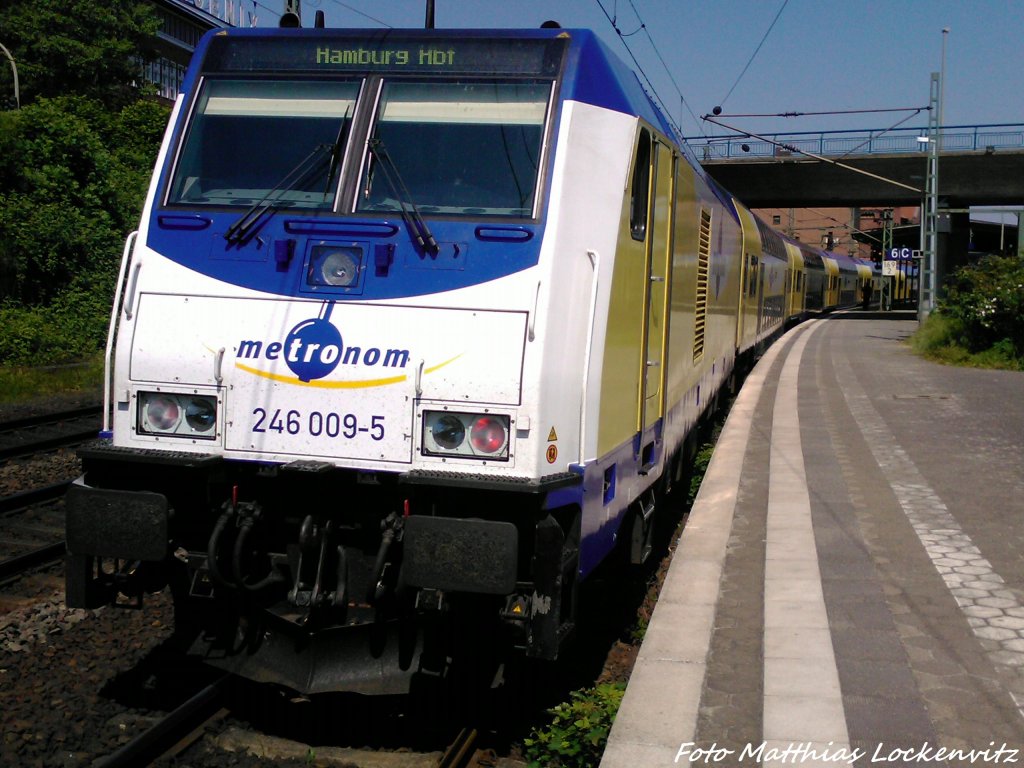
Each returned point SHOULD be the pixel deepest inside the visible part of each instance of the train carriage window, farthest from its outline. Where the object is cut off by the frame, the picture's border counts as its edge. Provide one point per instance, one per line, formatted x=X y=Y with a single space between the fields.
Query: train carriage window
x=753 y=274
x=252 y=138
x=641 y=187
x=459 y=147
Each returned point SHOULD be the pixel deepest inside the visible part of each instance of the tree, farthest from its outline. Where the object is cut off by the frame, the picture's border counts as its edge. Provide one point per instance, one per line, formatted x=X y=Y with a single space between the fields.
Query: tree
x=74 y=164
x=73 y=177
x=89 y=48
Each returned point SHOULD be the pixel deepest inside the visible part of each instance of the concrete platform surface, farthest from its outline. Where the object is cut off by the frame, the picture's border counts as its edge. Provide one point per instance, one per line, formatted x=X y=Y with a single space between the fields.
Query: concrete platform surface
x=849 y=587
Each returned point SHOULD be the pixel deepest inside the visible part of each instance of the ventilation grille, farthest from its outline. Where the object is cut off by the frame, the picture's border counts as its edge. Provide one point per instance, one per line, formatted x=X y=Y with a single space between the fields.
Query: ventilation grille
x=703 y=259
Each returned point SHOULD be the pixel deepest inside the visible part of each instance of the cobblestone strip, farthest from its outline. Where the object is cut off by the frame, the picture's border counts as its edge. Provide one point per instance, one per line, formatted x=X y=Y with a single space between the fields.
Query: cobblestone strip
x=994 y=612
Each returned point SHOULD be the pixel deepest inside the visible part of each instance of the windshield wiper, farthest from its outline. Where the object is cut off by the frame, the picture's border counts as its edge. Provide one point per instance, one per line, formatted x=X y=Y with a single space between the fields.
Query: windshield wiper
x=237 y=232
x=336 y=151
x=410 y=213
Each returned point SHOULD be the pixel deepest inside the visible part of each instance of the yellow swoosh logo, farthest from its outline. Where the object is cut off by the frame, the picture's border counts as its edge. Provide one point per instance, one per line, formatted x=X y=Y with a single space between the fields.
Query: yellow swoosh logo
x=350 y=384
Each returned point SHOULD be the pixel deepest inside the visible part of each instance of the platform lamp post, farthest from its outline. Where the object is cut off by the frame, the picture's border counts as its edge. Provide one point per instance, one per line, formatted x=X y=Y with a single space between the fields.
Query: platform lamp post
x=14 y=69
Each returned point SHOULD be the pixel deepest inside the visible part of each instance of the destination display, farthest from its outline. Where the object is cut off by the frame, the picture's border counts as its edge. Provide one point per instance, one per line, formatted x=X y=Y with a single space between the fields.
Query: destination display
x=499 y=56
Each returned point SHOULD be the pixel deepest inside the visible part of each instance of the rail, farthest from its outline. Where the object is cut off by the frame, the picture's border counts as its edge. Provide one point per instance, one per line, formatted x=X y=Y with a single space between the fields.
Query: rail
x=37 y=434
x=954 y=138
x=179 y=725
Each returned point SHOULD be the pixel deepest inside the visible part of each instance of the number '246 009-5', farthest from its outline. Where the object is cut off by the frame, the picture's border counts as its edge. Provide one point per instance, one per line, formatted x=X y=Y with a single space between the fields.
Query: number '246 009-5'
x=317 y=424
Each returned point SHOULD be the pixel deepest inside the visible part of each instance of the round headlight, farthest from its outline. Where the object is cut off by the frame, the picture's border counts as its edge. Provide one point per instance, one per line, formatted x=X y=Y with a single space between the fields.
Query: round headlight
x=162 y=413
x=487 y=435
x=201 y=414
x=339 y=268
x=448 y=432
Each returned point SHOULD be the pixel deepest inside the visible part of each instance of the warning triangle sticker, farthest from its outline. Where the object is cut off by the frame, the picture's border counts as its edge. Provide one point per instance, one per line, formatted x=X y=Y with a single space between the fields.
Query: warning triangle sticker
x=552 y=436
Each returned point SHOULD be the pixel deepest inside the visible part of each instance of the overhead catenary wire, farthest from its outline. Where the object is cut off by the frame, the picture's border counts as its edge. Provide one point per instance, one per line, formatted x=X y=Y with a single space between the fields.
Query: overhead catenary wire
x=852 y=229
x=914 y=111
x=664 y=64
x=756 y=50
x=823 y=112
x=792 y=148
x=654 y=91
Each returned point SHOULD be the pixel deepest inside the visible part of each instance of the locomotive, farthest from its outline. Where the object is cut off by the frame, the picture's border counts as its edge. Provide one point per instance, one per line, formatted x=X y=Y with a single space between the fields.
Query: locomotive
x=416 y=330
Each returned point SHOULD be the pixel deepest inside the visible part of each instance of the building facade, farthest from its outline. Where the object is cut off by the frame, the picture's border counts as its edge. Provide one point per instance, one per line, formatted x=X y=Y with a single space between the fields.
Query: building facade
x=183 y=22
x=854 y=231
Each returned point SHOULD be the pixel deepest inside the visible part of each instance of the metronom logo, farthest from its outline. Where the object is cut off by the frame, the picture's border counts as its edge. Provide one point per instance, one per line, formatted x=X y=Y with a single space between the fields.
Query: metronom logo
x=314 y=348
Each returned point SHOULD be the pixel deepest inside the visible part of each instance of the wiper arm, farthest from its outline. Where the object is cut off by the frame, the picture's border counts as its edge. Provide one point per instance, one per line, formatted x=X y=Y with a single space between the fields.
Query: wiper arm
x=336 y=150
x=410 y=213
x=236 y=232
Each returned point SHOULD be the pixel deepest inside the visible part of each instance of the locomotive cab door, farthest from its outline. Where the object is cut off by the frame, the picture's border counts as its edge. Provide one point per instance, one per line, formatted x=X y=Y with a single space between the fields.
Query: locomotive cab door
x=659 y=260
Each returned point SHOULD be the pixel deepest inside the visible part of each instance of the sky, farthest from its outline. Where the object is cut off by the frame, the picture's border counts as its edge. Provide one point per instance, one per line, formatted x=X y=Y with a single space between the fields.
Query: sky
x=767 y=57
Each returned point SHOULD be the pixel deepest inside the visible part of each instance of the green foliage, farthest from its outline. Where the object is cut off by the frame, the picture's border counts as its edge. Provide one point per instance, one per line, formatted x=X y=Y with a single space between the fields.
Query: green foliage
x=578 y=731
x=91 y=49
x=18 y=384
x=73 y=326
x=700 y=466
x=980 y=322
x=73 y=178
x=986 y=301
x=74 y=165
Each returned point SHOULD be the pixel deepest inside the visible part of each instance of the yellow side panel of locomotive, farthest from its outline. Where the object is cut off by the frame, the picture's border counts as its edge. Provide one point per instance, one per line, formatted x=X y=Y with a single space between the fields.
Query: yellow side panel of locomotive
x=681 y=376
x=624 y=339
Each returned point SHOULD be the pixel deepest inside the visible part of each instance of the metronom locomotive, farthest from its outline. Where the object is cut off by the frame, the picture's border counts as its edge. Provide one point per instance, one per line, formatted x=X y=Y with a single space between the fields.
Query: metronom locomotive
x=415 y=331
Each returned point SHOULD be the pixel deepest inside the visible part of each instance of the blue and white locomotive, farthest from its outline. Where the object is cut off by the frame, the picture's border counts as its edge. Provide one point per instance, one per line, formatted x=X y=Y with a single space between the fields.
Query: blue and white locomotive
x=415 y=331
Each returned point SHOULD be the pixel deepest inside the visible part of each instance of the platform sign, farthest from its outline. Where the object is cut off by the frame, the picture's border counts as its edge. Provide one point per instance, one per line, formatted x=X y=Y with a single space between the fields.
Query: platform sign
x=900 y=254
x=890 y=268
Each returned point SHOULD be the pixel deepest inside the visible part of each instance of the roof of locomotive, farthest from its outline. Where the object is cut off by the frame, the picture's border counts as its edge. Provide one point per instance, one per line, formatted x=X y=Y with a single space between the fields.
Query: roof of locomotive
x=591 y=73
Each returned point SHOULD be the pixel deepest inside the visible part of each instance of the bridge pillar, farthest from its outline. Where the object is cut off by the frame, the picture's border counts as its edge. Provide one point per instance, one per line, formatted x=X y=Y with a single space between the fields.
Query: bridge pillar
x=952 y=246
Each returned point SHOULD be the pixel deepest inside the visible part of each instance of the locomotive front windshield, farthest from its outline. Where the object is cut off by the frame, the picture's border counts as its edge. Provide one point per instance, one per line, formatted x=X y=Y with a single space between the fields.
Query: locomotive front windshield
x=251 y=138
x=457 y=148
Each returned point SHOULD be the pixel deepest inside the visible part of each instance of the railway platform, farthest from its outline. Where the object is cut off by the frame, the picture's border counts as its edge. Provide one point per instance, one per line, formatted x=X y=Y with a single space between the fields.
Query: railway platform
x=849 y=587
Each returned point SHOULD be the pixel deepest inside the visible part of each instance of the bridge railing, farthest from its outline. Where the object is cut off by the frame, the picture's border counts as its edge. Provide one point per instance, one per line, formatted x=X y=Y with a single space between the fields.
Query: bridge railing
x=953 y=138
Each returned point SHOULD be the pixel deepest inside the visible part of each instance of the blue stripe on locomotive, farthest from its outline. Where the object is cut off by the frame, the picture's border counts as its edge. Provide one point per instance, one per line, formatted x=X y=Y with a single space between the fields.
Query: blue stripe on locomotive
x=591 y=75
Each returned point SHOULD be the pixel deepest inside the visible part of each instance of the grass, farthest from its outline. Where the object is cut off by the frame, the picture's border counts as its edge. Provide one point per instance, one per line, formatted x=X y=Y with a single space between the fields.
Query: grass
x=938 y=340
x=20 y=384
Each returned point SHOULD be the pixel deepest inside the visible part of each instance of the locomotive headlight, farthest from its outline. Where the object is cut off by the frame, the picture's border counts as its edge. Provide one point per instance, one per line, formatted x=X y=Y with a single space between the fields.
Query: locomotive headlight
x=334 y=266
x=201 y=413
x=161 y=413
x=448 y=431
x=445 y=434
x=174 y=415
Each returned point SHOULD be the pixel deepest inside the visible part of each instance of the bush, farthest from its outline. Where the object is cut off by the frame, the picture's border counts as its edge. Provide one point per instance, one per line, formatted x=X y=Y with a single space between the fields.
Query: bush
x=72 y=181
x=578 y=731
x=71 y=327
x=986 y=303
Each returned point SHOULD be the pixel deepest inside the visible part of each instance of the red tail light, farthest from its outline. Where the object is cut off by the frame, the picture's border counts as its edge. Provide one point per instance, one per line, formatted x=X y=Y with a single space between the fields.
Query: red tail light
x=487 y=435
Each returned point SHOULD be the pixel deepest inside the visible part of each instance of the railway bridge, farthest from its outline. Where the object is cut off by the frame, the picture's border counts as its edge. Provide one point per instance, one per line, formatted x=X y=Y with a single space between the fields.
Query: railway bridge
x=978 y=165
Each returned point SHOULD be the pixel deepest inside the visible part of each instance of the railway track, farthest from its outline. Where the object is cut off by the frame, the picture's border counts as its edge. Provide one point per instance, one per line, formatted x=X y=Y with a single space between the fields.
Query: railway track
x=179 y=729
x=31 y=529
x=174 y=732
x=32 y=520
x=460 y=751
x=35 y=434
